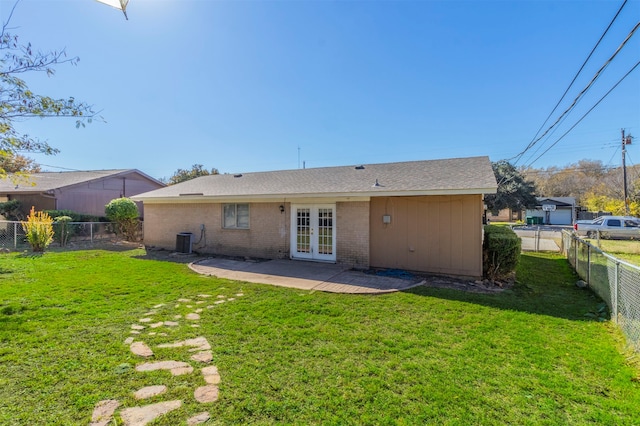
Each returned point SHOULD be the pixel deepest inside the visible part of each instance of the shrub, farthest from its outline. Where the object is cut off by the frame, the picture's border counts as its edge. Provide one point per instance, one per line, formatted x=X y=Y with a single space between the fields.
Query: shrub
x=500 y=251
x=62 y=229
x=76 y=217
x=39 y=230
x=124 y=212
x=12 y=210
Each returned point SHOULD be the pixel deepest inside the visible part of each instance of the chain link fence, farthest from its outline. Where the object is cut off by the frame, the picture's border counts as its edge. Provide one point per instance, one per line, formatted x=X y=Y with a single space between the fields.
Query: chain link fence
x=617 y=282
x=12 y=236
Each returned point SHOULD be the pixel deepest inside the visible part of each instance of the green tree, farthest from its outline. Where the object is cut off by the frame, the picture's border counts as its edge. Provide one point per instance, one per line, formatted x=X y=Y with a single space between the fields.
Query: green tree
x=124 y=212
x=514 y=191
x=18 y=102
x=196 y=170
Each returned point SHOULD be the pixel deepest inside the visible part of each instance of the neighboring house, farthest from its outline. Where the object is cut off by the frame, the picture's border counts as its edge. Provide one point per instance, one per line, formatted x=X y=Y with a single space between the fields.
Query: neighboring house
x=419 y=215
x=554 y=210
x=505 y=215
x=83 y=192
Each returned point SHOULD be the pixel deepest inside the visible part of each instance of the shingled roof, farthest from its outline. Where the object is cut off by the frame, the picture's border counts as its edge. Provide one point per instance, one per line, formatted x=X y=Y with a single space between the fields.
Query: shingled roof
x=50 y=181
x=472 y=175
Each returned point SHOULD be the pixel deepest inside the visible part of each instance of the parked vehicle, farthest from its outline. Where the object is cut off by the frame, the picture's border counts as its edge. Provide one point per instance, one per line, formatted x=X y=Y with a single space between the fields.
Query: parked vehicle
x=609 y=227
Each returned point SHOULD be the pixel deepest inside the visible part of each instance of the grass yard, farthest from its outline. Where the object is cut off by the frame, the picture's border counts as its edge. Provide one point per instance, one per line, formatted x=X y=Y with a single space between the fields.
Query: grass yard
x=628 y=250
x=285 y=356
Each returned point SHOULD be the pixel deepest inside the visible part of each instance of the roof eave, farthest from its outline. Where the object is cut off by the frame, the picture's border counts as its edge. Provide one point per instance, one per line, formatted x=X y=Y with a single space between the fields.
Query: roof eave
x=190 y=198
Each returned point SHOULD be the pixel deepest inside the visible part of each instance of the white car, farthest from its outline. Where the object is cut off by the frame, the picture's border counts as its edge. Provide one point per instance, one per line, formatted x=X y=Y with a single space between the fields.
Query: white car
x=609 y=227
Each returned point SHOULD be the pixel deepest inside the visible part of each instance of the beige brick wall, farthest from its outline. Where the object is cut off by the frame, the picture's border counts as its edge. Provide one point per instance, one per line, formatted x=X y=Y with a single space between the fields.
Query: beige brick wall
x=267 y=236
x=352 y=233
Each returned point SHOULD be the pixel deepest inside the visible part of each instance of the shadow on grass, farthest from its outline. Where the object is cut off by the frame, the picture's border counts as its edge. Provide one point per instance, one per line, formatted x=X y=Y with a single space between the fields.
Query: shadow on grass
x=545 y=285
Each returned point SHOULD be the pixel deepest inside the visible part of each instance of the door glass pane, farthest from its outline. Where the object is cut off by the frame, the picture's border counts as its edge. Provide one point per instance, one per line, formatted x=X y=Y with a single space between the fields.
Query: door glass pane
x=303 y=230
x=325 y=231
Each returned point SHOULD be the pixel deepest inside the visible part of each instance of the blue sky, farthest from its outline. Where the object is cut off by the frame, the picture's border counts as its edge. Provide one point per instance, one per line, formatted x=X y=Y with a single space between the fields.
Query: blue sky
x=240 y=85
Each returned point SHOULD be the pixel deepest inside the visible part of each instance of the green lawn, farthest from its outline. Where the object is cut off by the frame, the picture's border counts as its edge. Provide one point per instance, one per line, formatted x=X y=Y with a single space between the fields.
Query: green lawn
x=628 y=250
x=425 y=356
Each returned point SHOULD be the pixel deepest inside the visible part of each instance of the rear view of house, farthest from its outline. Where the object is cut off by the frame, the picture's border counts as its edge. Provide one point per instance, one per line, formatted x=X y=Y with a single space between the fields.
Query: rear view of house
x=419 y=215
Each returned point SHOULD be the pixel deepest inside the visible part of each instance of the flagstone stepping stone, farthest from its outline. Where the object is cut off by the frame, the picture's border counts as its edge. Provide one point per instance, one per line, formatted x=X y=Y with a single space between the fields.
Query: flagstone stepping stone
x=128 y=341
x=192 y=316
x=148 y=314
x=141 y=349
x=198 y=419
x=103 y=412
x=156 y=324
x=171 y=323
x=199 y=302
x=195 y=325
x=178 y=305
x=205 y=394
x=144 y=320
x=177 y=316
x=140 y=416
x=199 y=344
x=137 y=327
x=149 y=391
x=204 y=296
x=210 y=306
x=217 y=302
x=199 y=310
x=220 y=296
x=177 y=368
x=239 y=294
x=134 y=332
x=231 y=299
x=184 y=300
x=152 y=333
x=205 y=356
x=211 y=375
x=158 y=306
x=162 y=334
x=189 y=306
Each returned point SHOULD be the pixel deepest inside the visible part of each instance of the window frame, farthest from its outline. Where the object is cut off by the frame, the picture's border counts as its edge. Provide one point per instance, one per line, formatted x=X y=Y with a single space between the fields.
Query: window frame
x=237 y=224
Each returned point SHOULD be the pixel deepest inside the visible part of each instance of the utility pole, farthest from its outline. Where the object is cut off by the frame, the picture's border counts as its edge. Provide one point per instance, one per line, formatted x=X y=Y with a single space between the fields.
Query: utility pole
x=625 y=141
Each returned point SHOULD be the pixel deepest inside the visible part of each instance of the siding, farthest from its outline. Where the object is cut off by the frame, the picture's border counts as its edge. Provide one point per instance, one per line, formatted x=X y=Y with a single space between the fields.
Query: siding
x=436 y=234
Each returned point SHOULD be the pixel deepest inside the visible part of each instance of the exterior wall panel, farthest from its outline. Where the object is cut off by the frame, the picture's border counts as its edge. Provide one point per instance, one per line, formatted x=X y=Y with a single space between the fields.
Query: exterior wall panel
x=436 y=234
x=268 y=235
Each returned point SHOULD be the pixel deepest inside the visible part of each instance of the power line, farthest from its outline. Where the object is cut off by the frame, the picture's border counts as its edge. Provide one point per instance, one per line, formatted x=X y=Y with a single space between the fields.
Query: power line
x=574 y=78
x=586 y=88
x=589 y=111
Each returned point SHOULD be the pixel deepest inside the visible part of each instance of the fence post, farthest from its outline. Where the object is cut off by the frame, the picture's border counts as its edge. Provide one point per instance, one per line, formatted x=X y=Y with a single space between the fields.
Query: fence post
x=589 y=264
x=614 y=298
x=91 y=232
x=15 y=235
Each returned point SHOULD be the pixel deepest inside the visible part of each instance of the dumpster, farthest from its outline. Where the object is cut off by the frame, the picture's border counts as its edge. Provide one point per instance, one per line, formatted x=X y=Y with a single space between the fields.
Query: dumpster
x=183 y=242
x=530 y=220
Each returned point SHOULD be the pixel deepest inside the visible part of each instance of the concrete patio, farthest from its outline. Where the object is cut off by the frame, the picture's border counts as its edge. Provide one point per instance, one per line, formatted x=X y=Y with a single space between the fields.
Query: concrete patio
x=303 y=275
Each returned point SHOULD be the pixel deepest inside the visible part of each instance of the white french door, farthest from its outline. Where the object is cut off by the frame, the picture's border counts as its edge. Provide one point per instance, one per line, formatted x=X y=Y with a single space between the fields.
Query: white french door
x=313 y=232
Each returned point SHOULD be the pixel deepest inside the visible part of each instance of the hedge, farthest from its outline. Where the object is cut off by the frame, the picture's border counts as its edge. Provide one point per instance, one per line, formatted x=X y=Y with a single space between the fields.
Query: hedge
x=500 y=251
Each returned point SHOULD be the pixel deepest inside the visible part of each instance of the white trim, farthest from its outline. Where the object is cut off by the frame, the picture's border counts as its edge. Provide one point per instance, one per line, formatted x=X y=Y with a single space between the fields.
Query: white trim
x=313 y=224
x=328 y=197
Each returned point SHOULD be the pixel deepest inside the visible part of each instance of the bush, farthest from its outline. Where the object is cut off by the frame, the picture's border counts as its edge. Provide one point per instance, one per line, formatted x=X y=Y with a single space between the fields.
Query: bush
x=39 y=230
x=76 y=217
x=500 y=251
x=12 y=210
x=124 y=212
x=62 y=229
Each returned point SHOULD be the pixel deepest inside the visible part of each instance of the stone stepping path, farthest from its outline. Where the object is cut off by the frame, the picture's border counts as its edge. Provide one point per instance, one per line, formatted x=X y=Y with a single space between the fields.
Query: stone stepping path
x=202 y=355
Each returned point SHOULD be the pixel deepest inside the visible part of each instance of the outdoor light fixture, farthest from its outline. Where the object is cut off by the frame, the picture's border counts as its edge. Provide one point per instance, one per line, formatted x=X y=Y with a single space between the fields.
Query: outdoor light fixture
x=281 y=208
